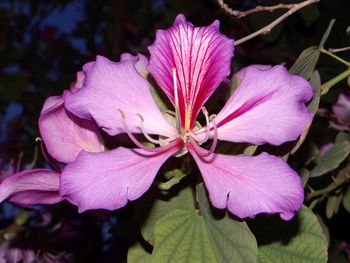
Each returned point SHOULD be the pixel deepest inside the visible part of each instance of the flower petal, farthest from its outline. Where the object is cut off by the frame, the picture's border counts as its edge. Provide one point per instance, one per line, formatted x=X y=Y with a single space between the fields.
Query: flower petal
x=201 y=57
x=268 y=106
x=341 y=109
x=64 y=134
x=249 y=185
x=30 y=187
x=112 y=86
x=108 y=180
x=140 y=61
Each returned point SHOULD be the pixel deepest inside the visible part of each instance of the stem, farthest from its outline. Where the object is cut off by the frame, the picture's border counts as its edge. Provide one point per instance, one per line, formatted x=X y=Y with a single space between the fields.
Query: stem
x=330 y=188
x=334 y=56
x=330 y=83
x=267 y=29
x=335 y=50
x=259 y=8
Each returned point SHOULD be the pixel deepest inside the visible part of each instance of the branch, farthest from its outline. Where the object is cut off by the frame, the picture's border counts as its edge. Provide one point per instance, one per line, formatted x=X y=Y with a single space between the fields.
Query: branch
x=266 y=29
x=335 y=50
x=240 y=14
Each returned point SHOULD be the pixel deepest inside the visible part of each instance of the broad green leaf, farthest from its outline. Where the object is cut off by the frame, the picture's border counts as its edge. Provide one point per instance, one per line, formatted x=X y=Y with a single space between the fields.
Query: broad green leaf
x=181 y=236
x=300 y=240
x=326 y=34
x=137 y=254
x=346 y=200
x=232 y=240
x=306 y=62
x=331 y=159
x=153 y=206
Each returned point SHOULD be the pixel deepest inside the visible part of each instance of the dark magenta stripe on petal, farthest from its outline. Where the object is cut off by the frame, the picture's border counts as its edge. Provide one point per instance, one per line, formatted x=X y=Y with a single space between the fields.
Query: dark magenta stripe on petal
x=201 y=57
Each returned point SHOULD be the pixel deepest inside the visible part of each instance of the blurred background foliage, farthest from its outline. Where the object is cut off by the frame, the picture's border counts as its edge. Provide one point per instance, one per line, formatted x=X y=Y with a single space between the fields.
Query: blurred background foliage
x=43 y=43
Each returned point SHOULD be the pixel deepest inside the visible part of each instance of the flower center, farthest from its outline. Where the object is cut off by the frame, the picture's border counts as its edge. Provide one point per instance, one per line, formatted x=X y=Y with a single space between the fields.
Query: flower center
x=186 y=134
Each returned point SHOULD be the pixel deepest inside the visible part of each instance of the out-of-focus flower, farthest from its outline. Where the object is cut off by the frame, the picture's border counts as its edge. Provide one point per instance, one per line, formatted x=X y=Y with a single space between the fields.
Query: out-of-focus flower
x=341 y=111
x=188 y=64
x=64 y=136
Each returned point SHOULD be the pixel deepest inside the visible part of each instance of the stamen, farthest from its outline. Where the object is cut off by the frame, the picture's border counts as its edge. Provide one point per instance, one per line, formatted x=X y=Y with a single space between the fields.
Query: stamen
x=205 y=153
x=207 y=132
x=176 y=96
x=132 y=137
x=161 y=141
x=215 y=138
x=140 y=145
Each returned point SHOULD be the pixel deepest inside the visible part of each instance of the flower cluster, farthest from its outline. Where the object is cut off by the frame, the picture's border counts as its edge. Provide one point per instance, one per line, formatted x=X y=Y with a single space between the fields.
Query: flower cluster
x=188 y=63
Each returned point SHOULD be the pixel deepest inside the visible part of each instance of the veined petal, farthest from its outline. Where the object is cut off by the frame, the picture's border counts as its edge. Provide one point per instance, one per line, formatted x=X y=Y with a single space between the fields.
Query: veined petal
x=112 y=86
x=268 y=106
x=249 y=185
x=108 y=180
x=64 y=134
x=201 y=57
x=30 y=187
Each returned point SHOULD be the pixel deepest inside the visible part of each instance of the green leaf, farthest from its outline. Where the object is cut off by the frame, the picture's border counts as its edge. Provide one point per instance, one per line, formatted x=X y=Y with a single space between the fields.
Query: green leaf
x=342 y=137
x=235 y=82
x=316 y=86
x=230 y=238
x=346 y=200
x=331 y=159
x=348 y=30
x=332 y=206
x=189 y=236
x=137 y=254
x=250 y=150
x=181 y=236
x=306 y=62
x=305 y=176
x=174 y=177
x=300 y=240
x=153 y=206
x=326 y=34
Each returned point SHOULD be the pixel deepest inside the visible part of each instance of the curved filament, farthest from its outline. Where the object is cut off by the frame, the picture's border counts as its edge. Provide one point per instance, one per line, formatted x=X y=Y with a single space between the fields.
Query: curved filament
x=139 y=144
x=207 y=132
x=148 y=137
x=203 y=152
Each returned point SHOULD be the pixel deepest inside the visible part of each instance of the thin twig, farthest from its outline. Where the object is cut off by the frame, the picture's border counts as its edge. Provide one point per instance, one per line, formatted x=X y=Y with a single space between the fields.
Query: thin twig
x=259 y=8
x=266 y=29
x=335 y=50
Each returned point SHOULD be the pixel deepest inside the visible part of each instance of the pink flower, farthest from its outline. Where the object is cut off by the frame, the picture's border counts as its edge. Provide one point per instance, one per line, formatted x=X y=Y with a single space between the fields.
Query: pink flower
x=188 y=64
x=341 y=111
x=64 y=136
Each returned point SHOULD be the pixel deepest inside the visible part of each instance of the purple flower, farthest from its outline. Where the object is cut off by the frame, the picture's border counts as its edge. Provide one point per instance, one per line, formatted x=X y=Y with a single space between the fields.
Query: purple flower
x=341 y=111
x=64 y=135
x=189 y=63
